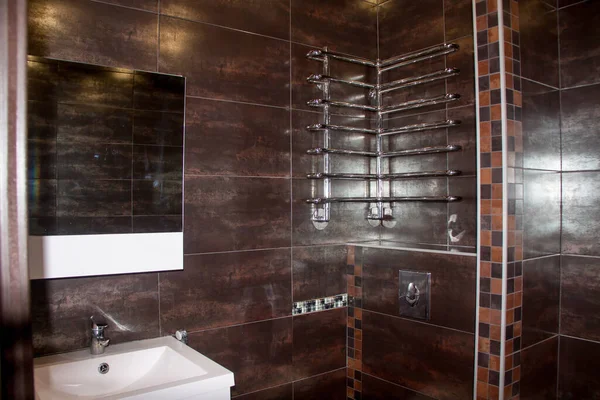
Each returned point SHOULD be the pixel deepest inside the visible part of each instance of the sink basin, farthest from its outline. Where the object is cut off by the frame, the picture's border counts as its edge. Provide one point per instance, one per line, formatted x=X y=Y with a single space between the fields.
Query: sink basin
x=161 y=368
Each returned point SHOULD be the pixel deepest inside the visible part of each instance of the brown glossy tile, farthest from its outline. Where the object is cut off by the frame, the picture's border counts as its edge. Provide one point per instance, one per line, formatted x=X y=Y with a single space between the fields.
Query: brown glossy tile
x=452 y=284
x=580 y=213
x=348 y=220
x=93 y=198
x=462 y=220
x=347 y=26
x=391 y=347
x=265 y=17
x=579 y=115
x=255 y=70
x=61 y=309
x=85 y=125
x=224 y=138
x=458 y=18
x=331 y=385
x=93 y=33
x=157 y=163
x=541 y=297
x=94 y=85
x=97 y=161
x=150 y=224
x=541 y=126
x=148 y=5
x=376 y=389
x=463 y=135
x=539 y=41
x=318 y=271
x=579 y=40
x=464 y=82
x=217 y=290
x=242 y=213
x=158 y=128
x=319 y=342
x=538 y=371
x=580 y=297
x=267 y=350
x=158 y=92
x=42 y=79
x=93 y=225
x=157 y=197
x=541 y=209
x=41 y=140
x=283 y=392
x=579 y=363
x=41 y=197
x=406 y=26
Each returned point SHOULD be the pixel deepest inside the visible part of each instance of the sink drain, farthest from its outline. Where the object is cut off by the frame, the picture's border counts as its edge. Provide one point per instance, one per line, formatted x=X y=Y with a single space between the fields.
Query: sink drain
x=103 y=368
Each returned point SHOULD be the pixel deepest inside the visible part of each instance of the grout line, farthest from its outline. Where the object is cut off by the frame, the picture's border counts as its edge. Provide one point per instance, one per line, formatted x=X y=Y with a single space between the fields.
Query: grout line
x=541 y=257
x=571 y=5
x=395 y=384
x=417 y=321
x=269 y=249
x=560 y=236
x=562 y=254
x=580 y=338
x=579 y=86
x=541 y=83
x=191 y=332
x=554 y=335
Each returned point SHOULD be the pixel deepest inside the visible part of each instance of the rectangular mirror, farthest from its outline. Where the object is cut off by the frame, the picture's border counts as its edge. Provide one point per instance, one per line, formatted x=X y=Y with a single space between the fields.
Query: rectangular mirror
x=105 y=170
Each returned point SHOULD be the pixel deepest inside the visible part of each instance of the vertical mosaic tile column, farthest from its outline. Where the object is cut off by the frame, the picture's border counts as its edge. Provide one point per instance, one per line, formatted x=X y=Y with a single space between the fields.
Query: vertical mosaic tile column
x=499 y=328
x=354 y=325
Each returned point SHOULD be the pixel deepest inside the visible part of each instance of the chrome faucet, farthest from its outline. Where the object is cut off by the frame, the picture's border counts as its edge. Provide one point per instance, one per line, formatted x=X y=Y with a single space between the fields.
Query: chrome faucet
x=99 y=342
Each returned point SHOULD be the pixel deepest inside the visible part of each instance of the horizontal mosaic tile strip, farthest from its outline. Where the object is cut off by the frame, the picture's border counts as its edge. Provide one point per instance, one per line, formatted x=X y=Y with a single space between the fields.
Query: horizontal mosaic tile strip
x=322 y=304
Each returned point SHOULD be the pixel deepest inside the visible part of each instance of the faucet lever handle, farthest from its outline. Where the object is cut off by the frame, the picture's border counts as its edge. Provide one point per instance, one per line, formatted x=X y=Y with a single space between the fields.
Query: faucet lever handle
x=98 y=326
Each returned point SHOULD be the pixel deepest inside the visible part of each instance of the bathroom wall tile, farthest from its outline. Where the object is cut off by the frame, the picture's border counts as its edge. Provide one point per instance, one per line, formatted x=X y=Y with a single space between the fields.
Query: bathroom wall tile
x=162 y=223
x=319 y=342
x=283 y=392
x=88 y=124
x=579 y=40
x=578 y=360
x=377 y=389
x=61 y=309
x=463 y=135
x=158 y=128
x=95 y=85
x=41 y=140
x=267 y=17
x=346 y=26
x=223 y=214
x=462 y=221
x=92 y=225
x=581 y=209
x=458 y=18
x=93 y=198
x=41 y=197
x=580 y=297
x=463 y=83
x=541 y=126
x=97 y=161
x=539 y=39
x=158 y=92
x=92 y=32
x=332 y=384
x=42 y=78
x=539 y=371
x=579 y=115
x=266 y=347
x=216 y=290
x=564 y=3
x=348 y=220
x=541 y=297
x=157 y=163
x=148 y=5
x=541 y=213
x=318 y=271
x=452 y=284
x=158 y=197
x=257 y=67
x=224 y=138
x=435 y=361
x=406 y=26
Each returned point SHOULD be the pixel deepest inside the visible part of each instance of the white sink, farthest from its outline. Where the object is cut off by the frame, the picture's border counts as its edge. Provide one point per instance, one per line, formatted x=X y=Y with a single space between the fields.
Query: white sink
x=160 y=369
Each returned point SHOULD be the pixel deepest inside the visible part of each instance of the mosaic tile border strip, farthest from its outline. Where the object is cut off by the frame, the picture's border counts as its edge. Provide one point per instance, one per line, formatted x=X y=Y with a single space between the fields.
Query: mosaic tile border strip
x=354 y=338
x=321 y=304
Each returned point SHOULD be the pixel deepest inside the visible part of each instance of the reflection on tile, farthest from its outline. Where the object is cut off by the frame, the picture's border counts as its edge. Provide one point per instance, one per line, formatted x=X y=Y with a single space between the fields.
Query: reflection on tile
x=346 y=26
x=224 y=138
x=580 y=297
x=92 y=32
x=42 y=79
x=462 y=220
x=581 y=210
x=452 y=284
x=255 y=70
x=377 y=389
x=158 y=128
x=267 y=350
x=93 y=225
x=541 y=209
x=541 y=126
x=219 y=290
x=579 y=38
x=318 y=272
x=541 y=297
x=332 y=384
x=579 y=116
x=41 y=140
x=97 y=161
x=271 y=18
x=61 y=309
x=579 y=362
x=151 y=224
x=83 y=198
x=223 y=214
x=41 y=197
x=435 y=361
x=88 y=124
x=158 y=197
x=538 y=371
x=158 y=92
x=158 y=162
x=90 y=84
